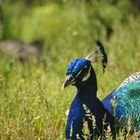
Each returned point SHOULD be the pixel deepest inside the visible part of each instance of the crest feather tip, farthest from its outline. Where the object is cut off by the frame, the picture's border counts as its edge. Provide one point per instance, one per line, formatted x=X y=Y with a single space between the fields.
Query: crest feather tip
x=95 y=53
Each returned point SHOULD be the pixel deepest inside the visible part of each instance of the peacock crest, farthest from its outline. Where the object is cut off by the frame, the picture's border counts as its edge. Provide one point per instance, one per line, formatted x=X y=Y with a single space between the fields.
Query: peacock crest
x=96 y=53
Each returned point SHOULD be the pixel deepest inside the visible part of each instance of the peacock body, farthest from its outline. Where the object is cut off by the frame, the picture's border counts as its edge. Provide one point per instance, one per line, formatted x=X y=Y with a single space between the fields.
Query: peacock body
x=126 y=98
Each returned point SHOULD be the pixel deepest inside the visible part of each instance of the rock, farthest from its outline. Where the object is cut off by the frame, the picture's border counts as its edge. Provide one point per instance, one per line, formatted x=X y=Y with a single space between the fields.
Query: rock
x=20 y=50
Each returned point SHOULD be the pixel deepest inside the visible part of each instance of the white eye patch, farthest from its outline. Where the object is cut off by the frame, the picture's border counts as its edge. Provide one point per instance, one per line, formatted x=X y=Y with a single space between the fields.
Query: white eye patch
x=87 y=76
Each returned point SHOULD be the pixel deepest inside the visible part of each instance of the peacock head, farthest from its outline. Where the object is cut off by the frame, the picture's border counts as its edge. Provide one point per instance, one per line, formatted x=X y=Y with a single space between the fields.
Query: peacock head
x=78 y=70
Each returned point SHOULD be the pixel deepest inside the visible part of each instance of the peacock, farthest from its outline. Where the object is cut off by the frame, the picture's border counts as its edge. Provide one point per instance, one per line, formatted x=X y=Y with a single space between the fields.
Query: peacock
x=123 y=102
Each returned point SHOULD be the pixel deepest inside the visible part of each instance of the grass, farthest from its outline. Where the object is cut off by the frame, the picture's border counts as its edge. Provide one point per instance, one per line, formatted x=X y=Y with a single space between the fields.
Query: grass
x=27 y=104
x=32 y=105
x=123 y=132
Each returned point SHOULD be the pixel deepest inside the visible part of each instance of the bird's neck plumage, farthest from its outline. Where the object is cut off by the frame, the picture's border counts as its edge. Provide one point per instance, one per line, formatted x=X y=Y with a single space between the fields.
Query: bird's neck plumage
x=88 y=89
x=86 y=94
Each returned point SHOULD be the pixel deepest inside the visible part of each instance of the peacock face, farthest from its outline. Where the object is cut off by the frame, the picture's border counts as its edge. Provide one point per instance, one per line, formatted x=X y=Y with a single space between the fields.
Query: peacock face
x=76 y=72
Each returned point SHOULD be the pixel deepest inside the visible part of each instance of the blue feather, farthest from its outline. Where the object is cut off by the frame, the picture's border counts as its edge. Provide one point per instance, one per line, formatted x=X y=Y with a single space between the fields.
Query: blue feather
x=77 y=65
x=127 y=100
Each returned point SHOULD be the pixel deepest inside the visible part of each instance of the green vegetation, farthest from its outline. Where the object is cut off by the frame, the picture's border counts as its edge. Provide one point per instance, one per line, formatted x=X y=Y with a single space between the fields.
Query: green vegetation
x=32 y=105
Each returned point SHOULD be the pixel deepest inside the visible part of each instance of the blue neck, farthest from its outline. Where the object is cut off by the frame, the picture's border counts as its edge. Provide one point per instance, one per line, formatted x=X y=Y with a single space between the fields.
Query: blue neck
x=87 y=90
x=86 y=94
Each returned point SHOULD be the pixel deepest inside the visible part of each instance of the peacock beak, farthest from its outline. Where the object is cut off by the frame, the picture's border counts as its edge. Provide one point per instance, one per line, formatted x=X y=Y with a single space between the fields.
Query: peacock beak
x=68 y=81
